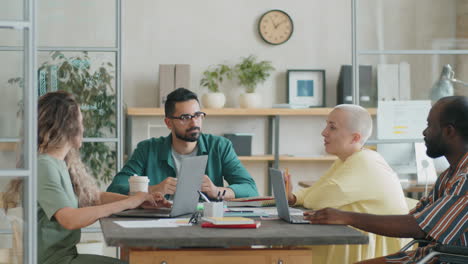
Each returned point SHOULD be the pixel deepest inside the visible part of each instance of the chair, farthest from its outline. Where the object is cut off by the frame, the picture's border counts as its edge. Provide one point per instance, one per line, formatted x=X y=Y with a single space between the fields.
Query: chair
x=445 y=253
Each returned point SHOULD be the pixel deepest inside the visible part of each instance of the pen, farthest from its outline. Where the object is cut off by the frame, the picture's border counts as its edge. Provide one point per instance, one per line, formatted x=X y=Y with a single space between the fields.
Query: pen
x=229 y=211
x=222 y=196
x=286 y=174
x=204 y=197
x=218 y=197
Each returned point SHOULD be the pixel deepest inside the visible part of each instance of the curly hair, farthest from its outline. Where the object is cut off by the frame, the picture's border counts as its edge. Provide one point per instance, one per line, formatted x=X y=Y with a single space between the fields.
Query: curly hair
x=58 y=123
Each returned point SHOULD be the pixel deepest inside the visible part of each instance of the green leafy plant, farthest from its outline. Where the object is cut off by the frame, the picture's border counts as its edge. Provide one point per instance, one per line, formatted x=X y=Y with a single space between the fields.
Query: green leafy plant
x=214 y=76
x=250 y=72
x=92 y=87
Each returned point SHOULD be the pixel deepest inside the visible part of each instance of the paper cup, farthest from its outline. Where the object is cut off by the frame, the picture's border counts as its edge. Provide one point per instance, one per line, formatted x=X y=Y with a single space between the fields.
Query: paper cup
x=138 y=184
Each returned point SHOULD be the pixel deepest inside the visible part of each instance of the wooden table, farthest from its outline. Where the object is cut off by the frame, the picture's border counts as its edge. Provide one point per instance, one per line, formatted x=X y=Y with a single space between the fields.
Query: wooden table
x=175 y=245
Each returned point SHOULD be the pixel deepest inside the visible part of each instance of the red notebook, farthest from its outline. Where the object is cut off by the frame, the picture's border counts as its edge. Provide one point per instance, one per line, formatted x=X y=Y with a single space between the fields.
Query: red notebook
x=211 y=225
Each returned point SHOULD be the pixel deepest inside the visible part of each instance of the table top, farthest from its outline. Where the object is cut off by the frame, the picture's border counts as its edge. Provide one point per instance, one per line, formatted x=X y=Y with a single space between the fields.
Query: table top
x=271 y=233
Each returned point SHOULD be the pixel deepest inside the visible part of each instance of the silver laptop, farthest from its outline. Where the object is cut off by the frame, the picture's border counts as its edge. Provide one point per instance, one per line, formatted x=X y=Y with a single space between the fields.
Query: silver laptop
x=185 y=201
x=279 y=191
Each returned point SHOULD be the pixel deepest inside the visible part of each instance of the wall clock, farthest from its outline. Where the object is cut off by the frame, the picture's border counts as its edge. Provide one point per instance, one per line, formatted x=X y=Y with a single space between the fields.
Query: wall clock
x=275 y=27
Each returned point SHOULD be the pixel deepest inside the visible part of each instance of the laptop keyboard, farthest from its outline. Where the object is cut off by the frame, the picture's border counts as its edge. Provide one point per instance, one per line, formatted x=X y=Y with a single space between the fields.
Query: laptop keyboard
x=298 y=219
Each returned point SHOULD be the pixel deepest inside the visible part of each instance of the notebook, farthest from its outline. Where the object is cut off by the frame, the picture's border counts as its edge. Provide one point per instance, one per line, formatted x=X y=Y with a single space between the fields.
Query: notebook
x=185 y=200
x=256 y=224
x=228 y=220
x=258 y=201
x=279 y=191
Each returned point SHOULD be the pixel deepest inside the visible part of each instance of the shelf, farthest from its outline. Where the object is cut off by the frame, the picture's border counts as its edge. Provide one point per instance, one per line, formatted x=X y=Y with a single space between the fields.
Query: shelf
x=287 y=158
x=8 y=146
x=139 y=111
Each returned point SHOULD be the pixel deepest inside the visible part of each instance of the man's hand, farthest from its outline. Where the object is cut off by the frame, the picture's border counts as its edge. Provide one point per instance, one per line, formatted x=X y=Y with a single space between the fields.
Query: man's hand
x=328 y=216
x=209 y=188
x=168 y=186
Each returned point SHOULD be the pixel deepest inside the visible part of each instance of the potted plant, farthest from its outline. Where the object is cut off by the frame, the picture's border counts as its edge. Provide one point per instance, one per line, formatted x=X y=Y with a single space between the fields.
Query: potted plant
x=93 y=89
x=212 y=79
x=250 y=73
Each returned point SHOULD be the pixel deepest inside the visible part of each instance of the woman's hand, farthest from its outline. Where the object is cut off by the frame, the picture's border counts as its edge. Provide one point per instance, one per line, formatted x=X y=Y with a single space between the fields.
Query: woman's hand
x=159 y=201
x=328 y=216
x=287 y=183
x=150 y=200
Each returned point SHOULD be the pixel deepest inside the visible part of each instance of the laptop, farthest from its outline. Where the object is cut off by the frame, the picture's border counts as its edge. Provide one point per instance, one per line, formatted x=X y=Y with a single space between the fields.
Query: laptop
x=279 y=191
x=185 y=200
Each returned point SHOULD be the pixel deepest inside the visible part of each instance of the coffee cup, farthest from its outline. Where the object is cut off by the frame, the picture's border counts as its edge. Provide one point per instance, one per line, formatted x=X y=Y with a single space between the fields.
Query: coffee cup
x=138 y=184
x=213 y=209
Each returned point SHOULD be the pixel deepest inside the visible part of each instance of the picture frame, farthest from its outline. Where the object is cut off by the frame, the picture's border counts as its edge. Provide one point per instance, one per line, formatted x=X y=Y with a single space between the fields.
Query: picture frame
x=306 y=87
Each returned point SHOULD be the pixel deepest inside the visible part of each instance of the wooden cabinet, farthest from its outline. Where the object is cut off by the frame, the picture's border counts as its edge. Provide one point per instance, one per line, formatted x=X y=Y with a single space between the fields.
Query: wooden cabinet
x=225 y=256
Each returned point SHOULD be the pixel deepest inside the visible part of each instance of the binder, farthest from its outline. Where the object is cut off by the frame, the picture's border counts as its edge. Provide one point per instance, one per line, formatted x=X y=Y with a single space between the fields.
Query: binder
x=367 y=93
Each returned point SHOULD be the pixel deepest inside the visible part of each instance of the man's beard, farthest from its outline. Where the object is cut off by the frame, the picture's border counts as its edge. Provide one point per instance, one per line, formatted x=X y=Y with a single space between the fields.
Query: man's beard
x=189 y=137
x=435 y=147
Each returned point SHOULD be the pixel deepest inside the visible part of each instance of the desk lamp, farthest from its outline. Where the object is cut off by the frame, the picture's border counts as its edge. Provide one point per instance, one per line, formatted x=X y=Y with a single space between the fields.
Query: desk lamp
x=444 y=87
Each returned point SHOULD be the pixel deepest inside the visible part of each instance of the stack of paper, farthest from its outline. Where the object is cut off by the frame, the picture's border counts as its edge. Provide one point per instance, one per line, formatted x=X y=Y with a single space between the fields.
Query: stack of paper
x=252 y=201
x=229 y=222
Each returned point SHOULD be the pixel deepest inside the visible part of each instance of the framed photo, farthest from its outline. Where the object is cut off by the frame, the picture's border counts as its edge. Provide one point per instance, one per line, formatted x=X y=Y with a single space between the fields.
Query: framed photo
x=306 y=87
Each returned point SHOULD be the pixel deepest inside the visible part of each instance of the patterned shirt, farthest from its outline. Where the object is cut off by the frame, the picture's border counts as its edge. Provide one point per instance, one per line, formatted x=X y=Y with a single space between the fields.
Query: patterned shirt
x=443 y=215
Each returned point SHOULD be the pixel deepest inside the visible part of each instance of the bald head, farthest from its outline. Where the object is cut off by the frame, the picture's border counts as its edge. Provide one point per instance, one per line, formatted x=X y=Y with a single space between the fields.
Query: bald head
x=358 y=120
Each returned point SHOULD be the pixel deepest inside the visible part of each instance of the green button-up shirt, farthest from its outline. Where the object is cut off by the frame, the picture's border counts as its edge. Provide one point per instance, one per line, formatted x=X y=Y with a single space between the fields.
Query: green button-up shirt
x=153 y=158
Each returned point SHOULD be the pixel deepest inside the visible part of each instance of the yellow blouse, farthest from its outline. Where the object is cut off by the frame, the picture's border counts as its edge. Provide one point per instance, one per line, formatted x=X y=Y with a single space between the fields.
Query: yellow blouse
x=363 y=183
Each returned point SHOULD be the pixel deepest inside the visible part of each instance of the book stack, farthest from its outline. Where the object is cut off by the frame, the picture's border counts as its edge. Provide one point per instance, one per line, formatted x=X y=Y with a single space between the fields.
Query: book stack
x=229 y=222
x=259 y=201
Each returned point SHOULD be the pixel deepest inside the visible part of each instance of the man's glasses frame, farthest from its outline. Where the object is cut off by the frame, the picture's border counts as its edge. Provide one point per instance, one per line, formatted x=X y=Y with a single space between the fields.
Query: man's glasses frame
x=187 y=117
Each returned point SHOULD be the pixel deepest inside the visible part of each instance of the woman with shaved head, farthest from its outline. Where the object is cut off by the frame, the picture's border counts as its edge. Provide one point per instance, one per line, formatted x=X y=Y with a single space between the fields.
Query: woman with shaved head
x=358 y=181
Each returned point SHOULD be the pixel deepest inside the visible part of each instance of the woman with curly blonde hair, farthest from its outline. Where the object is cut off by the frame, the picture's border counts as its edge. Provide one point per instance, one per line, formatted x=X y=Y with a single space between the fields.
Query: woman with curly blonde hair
x=68 y=198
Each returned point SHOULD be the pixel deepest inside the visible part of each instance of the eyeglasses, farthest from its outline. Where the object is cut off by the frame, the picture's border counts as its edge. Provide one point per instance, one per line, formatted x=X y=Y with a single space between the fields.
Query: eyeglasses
x=187 y=117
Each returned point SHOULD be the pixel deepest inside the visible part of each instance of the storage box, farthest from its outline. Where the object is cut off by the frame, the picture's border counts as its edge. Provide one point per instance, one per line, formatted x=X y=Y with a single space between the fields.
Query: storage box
x=242 y=143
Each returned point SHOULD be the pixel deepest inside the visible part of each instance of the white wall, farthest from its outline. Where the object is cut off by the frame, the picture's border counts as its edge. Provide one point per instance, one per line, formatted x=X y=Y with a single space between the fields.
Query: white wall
x=201 y=33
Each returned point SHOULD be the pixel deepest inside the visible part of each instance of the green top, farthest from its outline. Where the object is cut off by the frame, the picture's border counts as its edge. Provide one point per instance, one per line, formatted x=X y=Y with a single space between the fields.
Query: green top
x=153 y=158
x=54 y=191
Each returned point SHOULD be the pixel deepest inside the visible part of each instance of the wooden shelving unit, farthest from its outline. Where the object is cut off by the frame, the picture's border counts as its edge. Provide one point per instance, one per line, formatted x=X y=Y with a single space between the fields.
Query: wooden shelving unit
x=325 y=158
x=264 y=112
x=8 y=146
x=138 y=111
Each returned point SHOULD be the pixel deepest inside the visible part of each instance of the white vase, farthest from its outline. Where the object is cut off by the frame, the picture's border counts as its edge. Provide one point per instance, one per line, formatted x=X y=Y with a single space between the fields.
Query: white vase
x=250 y=100
x=213 y=100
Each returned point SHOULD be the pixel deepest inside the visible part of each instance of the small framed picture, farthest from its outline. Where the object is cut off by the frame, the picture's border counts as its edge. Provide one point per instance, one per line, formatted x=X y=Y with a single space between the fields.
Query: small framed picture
x=306 y=87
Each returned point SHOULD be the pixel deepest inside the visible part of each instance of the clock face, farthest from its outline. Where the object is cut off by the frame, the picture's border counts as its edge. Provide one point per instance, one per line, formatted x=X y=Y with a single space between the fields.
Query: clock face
x=275 y=27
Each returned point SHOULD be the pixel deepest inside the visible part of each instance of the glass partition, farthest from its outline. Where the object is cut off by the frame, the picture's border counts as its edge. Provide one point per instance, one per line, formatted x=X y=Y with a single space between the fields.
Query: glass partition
x=101 y=160
x=18 y=134
x=12 y=10
x=91 y=77
x=410 y=53
x=12 y=220
x=411 y=24
x=84 y=23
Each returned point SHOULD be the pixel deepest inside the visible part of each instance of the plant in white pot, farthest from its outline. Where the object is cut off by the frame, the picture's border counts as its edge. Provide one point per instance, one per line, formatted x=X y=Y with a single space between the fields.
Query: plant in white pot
x=250 y=73
x=212 y=79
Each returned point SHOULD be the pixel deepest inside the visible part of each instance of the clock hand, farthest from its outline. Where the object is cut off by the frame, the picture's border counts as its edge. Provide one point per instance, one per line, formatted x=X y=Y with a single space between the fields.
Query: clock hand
x=281 y=22
x=274 y=24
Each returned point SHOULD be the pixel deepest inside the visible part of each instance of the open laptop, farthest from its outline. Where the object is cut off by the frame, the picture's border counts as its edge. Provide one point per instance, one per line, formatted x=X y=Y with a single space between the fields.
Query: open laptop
x=279 y=191
x=185 y=201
